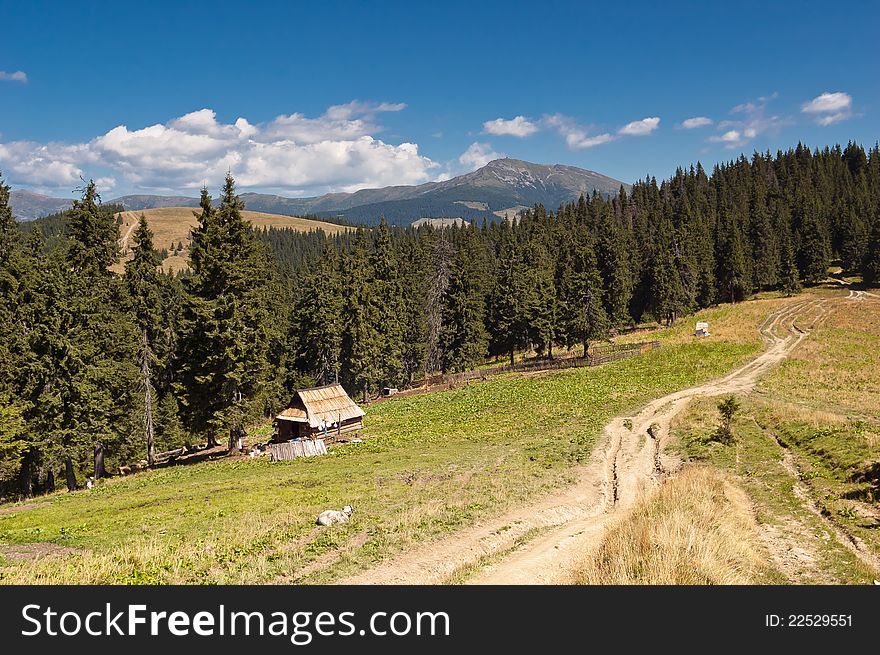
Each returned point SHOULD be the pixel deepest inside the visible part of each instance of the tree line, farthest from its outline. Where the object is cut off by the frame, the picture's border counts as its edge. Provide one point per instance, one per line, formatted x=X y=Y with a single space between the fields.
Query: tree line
x=98 y=368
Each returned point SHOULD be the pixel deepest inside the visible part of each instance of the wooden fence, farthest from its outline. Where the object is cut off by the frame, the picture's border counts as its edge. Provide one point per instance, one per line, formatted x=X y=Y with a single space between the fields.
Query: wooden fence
x=596 y=356
x=298 y=448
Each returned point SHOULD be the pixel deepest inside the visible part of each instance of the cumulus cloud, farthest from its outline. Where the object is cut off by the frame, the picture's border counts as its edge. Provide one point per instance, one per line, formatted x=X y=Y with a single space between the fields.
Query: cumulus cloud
x=17 y=76
x=294 y=153
x=478 y=155
x=519 y=126
x=640 y=128
x=829 y=107
x=731 y=136
x=695 y=122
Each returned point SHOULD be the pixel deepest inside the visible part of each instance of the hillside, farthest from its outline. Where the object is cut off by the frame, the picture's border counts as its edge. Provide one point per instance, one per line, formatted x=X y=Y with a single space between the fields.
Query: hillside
x=500 y=187
x=429 y=466
x=171 y=226
x=27 y=205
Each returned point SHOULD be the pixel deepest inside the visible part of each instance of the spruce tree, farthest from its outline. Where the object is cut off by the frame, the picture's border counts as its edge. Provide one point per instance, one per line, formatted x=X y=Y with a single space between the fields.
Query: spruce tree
x=232 y=321
x=615 y=267
x=94 y=234
x=814 y=247
x=789 y=276
x=387 y=296
x=871 y=262
x=733 y=275
x=144 y=284
x=585 y=318
x=317 y=322
x=668 y=297
x=360 y=345
x=509 y=302
x=463 y=336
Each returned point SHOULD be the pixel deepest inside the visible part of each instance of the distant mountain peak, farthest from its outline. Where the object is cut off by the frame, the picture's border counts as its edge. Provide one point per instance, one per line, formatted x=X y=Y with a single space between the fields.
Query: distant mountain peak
x=483 y=194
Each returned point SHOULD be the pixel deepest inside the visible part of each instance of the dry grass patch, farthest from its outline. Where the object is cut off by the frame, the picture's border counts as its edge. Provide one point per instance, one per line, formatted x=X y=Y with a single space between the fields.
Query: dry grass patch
x=171 y=226
x=836 y=369
x=698 y=529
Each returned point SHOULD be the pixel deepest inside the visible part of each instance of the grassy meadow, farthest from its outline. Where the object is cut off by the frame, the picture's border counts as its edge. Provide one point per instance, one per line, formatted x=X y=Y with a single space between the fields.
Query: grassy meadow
x=698 y=529
x=806 y=447
x=172 y=225
x=428 y=464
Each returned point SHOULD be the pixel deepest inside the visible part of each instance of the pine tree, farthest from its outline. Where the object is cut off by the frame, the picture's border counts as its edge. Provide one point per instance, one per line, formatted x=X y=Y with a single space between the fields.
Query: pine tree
x=814 y=247
x=509 y=302
x=232 y=321
x=144 y=284
x=789 y=276
x=94 y=234
x=387 y=296
x=463 y=337
x=854 y=239
x=871 y=263
x=763 y=241
x=733 y=275
x=318 y=322
x=668 y=297
x=360 y=346
x=585 y=319
x=414 y=324
x=614 y=266
x=538 y=296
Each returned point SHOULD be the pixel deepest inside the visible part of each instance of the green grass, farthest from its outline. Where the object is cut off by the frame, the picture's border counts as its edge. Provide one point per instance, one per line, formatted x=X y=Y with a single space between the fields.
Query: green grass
x=756 y=460
x=428 y=465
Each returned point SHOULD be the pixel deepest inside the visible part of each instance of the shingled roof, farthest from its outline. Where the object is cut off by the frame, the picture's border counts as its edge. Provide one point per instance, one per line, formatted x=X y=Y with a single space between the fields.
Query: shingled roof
x=329 y=402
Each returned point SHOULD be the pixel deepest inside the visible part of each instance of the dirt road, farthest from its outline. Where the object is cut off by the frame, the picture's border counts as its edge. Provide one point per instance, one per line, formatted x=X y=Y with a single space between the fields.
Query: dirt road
x=626 y=462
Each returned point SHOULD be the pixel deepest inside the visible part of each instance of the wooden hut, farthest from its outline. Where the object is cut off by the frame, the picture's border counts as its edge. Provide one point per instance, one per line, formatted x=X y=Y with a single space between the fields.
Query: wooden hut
x=318 y=412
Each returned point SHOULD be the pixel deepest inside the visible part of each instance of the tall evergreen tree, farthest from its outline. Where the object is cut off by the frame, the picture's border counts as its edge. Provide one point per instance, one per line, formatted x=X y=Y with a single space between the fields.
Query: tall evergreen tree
x=318 y=320
x=508 y=302
x=463 y=337
x=733 y=274
x=232 y=321
x=360 y=346
x=814 y=247
x=585 y=318
x=871 y=263
x=144 y=284
x=387 y=296
x=94 y=234
x=668 y=297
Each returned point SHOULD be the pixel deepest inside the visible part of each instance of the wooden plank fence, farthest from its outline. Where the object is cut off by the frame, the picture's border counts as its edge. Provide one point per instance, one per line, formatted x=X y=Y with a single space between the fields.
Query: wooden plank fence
x=596 y=356
x=297 y=448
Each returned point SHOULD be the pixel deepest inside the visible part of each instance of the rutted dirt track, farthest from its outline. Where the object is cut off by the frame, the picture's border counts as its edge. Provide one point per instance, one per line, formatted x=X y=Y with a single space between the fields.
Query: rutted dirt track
x=626 y=462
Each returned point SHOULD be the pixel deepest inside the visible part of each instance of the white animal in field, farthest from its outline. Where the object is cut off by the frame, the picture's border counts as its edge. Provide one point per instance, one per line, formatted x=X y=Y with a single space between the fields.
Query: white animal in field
x=332 y=516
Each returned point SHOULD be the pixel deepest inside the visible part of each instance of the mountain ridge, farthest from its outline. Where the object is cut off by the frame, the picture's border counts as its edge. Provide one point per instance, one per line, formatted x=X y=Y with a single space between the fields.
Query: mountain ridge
x=499 y=185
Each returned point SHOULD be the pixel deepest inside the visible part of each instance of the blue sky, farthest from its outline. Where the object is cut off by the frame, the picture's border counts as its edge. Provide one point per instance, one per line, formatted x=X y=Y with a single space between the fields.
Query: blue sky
x=302 y=98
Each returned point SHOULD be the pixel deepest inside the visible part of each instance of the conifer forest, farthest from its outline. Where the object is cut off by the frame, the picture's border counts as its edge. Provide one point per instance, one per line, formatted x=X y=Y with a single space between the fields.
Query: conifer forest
x=99 y=368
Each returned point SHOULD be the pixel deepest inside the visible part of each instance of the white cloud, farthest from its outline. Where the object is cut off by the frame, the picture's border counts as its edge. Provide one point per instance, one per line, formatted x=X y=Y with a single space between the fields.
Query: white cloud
x=518 y=126
x=829 y=107
x=731 y=136
x=17 y=76
x=579 y=137
x=44 y=165
x=753 y=123
x=833 y=118
x=827 y=102
x=640 y=128
x=478 y=155
x=695 y=122
x=576 y=137
x=292 y=153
